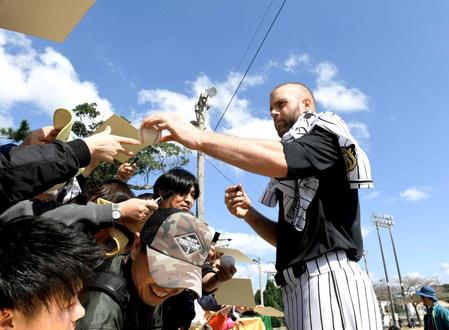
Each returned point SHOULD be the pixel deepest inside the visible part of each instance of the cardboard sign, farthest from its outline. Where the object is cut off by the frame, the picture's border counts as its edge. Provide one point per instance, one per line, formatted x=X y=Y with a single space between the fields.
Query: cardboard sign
x=48 y=19
x=268 y=311
x=236 y=292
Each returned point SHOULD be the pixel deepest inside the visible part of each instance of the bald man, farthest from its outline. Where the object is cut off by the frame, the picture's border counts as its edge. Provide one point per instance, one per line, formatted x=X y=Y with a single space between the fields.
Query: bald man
x=319 y=168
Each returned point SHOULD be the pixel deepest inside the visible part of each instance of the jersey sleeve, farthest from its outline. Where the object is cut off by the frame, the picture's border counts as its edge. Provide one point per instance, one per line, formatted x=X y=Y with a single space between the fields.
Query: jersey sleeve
x=311 y=153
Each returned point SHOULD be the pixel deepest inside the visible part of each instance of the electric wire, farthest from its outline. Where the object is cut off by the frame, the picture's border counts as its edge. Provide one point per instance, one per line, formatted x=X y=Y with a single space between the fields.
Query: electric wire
x=250 y=64
x=232 y=183
x=255 y=34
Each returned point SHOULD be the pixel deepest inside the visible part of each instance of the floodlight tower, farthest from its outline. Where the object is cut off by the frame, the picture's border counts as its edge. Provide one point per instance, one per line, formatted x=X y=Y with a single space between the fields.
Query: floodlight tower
x=387 y=221
x=378 y=221
x=200 y=111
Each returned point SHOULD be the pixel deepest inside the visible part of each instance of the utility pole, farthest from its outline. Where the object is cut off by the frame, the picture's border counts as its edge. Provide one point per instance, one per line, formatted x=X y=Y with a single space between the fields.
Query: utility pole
x=200 y=111
x=377 y=221
x=259 y=261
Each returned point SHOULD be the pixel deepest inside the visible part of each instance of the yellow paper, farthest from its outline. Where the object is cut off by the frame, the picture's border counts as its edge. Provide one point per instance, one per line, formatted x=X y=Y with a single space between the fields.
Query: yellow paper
x=268 y=311
x=48 y=19
x=236 y=292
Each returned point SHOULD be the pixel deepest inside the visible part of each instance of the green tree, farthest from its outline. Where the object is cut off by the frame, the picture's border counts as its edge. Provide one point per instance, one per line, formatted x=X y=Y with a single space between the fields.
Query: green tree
x=16 y=134
x=150 y=160
x=272 y=297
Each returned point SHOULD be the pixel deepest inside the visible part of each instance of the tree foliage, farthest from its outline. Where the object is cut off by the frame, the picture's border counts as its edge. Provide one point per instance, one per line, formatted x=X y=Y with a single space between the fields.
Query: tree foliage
x=150 y=160
x=16 y=134
x=272 y=296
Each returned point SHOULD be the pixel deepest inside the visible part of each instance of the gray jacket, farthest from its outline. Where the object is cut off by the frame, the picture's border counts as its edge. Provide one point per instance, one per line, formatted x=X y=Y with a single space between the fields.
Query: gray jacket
x=91 y=214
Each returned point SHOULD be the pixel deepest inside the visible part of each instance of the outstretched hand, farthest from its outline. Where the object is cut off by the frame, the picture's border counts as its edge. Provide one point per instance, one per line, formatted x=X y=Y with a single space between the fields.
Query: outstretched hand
x=237 y=201
x=178 y=129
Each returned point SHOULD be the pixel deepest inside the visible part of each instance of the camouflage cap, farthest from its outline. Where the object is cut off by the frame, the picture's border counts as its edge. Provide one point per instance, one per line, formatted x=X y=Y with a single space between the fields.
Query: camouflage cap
x=177 y=245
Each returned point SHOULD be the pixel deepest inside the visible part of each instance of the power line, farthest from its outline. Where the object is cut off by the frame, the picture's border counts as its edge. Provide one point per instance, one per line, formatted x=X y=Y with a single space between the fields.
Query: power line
x=232 y=183
x=255 y=34
x=250 y=64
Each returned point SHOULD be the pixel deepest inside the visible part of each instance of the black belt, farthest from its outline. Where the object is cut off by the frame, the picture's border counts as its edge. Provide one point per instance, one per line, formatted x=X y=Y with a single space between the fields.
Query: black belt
x=298 y=269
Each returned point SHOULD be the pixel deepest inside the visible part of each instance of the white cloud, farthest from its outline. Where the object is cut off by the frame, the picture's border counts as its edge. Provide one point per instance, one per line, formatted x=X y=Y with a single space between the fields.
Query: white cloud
x=444 y=272
x=372 y=194
x=365 y=231
x=238 y=120
x=44 y=79
x=294 y=60
x=251 y=271
x=415 y=194
x=414 y=275
x=254 y=247
x=359 y=130
x=250 y=244
x=333 y=94
x=271 y=64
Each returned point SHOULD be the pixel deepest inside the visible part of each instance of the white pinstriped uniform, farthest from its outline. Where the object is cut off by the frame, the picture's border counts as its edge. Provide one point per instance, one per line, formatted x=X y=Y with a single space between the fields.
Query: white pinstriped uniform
x=333 y=293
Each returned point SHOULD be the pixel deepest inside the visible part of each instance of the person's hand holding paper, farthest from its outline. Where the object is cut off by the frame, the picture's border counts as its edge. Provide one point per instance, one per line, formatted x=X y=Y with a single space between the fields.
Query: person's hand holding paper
x=121 y=127
x=105 y=147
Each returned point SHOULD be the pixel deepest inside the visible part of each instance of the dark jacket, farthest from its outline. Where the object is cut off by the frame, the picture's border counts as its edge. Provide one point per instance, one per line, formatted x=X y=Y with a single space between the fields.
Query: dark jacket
x=28 y=171
x=103 y=310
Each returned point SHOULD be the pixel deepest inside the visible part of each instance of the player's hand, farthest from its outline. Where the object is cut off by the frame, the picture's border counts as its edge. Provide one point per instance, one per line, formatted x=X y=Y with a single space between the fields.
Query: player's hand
x=40 y=136
x=104 y=146
x=224 y=274
x=237 y=201
x=178 y=129
x=135 y=212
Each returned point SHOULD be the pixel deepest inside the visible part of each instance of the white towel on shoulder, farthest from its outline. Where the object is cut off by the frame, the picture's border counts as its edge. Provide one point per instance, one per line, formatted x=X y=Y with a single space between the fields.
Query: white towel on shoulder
x=297 y=194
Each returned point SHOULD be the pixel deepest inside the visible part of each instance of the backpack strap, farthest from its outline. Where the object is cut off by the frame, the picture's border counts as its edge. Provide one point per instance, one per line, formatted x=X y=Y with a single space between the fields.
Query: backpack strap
x=109 y=281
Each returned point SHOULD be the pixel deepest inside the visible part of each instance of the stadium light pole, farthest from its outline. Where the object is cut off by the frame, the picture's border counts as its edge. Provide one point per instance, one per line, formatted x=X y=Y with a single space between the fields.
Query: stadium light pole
x=377 y=221
x=387 y=221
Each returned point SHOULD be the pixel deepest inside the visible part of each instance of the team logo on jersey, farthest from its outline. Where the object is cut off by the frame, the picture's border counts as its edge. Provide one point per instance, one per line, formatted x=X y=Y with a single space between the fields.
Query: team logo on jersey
x=349 y=157
x=189 y=243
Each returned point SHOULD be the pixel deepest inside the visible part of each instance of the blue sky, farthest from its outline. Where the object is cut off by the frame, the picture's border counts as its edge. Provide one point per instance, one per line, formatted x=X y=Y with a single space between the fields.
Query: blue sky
x=383 y=66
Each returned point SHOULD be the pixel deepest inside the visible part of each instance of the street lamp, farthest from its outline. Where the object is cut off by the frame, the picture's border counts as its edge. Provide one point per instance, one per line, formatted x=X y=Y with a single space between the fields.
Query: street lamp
x=259 y=261
x=200 y=111
x=379 y=221
x=387 y=221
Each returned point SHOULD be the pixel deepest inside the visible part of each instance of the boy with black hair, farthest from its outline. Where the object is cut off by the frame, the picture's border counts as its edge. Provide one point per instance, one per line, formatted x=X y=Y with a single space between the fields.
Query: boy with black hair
x=178 y=188
x=43 y=269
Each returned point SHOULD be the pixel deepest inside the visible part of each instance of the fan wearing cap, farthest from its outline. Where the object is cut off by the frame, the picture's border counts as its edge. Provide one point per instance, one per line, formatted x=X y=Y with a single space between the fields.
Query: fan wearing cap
x=166 y=258
x=178 y=188
x=437 y=316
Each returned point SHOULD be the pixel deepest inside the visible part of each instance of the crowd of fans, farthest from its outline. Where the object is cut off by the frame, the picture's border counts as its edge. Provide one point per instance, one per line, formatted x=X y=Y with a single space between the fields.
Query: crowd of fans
x=104 y=259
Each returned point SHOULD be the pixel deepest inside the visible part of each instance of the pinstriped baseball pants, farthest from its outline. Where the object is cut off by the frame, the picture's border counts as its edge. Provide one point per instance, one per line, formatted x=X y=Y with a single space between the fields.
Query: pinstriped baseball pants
x=333 y=293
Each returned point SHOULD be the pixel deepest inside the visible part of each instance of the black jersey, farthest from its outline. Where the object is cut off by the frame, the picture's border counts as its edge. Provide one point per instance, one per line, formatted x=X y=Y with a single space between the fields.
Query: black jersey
x=333 y=216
